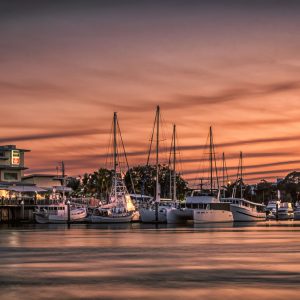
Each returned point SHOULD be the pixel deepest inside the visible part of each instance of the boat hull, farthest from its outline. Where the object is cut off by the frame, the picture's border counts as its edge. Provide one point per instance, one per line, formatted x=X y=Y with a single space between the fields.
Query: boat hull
x=243 y=214
x=61 y=219
x=212 y=216
x=110 y=219
x=297 y=215
x=149 y=216
x=179 y=216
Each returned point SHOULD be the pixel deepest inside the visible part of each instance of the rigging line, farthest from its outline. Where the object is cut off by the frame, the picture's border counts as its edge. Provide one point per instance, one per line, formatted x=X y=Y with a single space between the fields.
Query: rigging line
x=202 y=161
x=108 y=155
x=125 y=156
x=215 y=162
x=164 y=138
x=170 y=153
x=151 y=140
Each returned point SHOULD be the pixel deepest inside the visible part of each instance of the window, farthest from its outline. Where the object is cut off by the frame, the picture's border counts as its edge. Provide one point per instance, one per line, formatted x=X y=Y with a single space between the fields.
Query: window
x=10 y=176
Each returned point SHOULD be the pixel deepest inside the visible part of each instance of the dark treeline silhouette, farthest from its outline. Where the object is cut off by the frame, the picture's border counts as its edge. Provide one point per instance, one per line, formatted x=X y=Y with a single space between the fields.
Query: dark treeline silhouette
x=141 y=180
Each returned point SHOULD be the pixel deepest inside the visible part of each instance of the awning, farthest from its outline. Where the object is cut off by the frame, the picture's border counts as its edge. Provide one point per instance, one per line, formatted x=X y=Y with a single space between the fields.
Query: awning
x=25 y=189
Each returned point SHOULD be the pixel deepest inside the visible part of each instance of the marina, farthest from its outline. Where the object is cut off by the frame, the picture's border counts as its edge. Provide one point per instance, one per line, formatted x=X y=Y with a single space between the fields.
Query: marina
x=149 y=150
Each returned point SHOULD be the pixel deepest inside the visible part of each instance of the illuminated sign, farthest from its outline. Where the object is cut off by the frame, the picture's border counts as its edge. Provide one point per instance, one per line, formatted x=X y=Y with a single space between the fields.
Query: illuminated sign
x=15 y=157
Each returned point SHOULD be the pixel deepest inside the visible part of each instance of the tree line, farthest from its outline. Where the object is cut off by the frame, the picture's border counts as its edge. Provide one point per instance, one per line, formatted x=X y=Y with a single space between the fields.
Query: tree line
x=141 y=180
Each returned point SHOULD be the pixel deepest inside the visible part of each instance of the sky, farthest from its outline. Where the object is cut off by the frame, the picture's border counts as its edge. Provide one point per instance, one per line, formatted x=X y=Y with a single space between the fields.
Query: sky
x=66 y=66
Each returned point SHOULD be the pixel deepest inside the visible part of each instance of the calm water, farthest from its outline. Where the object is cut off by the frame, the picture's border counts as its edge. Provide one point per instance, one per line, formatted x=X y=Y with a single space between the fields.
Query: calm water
x=146 y=262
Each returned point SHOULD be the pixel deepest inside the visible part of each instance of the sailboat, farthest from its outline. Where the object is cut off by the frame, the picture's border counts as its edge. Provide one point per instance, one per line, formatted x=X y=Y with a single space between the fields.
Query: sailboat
x=119 y=208
x=244 y=210
x=210 y=208
x=157 y=211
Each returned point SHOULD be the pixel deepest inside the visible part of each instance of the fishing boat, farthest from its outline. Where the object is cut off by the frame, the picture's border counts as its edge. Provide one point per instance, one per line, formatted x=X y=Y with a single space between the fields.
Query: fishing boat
x=59 y=213
x=246 y=211
x=120 y=208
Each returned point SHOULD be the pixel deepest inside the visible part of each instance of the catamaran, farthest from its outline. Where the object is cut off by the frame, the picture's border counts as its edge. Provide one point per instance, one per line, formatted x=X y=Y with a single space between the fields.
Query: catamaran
x=120 y=208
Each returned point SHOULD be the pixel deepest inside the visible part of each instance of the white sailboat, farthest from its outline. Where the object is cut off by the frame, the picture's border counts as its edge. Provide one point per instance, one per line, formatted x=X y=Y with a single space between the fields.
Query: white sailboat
x=244 y=210
x=119 y=208
x=156 y=212
x=211 y=209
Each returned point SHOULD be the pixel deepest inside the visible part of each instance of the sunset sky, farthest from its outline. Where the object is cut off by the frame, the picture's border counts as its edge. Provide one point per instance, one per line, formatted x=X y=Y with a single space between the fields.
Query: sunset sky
x=66 y=66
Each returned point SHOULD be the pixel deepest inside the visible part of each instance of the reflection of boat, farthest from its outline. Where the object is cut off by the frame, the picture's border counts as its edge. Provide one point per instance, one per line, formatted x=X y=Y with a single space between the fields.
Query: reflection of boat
x=120 y=208
x=58 y=213
x=244 y=210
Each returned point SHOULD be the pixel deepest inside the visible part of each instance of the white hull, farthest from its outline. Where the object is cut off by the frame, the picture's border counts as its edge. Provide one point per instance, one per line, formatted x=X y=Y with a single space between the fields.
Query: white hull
x=111 y=219
x=177 y=215
x=281 y=216
x=243 y=214
x=77 y=216
x=212 y=216
x=149 y=215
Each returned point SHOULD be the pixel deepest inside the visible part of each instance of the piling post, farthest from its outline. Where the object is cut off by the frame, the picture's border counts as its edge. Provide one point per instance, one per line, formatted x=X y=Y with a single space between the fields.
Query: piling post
x=69 y=212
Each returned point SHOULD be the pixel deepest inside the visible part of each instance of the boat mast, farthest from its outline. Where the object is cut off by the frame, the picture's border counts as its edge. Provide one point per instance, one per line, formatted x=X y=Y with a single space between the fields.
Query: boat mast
x=211 y=158
x=174 y=163
x=241 y=180
x=63 y=178
x=223 y=170
x=157 y=196
x=115 y=153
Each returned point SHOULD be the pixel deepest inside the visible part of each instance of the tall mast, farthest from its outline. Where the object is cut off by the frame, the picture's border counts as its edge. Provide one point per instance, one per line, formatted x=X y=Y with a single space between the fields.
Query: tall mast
x=63 y=177
x=157 y=196
x=115 y=152
x=241 y=180
x=174 y=163
x=211 y=158
x=223 y=174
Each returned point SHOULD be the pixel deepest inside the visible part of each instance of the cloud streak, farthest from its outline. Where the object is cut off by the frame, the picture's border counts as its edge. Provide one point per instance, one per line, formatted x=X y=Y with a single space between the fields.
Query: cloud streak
x=52 y=135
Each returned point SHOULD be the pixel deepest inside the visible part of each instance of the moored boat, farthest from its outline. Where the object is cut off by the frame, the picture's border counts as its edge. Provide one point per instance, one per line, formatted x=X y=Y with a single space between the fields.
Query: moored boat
x=58 y=213
x=120 y=208
x=246 y=211
x=297 y=211
x=284 y=211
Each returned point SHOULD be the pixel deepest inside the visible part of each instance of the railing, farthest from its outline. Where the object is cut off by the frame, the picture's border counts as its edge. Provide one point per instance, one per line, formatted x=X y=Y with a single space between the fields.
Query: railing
x=33 y=201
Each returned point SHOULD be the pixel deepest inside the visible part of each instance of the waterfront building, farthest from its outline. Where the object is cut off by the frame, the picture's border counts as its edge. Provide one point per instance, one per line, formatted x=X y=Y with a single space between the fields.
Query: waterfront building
x=12 y=164
x=13 y=182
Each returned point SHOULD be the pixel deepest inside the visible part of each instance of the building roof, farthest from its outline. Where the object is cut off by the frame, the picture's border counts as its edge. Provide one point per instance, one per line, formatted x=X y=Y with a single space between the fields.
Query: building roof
x=12 y=168
x=12 y=147
x=25 y=189
x=40 y=175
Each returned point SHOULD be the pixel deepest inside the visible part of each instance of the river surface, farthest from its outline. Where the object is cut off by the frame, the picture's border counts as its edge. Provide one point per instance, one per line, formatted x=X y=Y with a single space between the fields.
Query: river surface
x=135 y=261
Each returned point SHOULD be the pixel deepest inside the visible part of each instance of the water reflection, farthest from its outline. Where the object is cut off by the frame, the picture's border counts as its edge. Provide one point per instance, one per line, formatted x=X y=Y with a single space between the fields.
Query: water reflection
x=134 y=261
